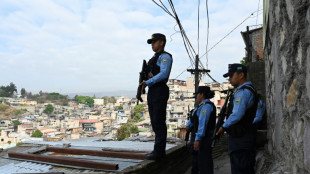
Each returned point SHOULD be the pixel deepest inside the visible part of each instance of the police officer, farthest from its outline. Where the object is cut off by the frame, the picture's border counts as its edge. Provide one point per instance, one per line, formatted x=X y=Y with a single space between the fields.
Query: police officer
x=159 y=67
x=239 y=124
x=202 y=124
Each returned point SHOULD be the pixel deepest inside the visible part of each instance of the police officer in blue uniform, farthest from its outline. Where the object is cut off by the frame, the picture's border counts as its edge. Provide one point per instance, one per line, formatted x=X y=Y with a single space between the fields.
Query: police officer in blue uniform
x=202 y=124
x=239 y=124
x=159 y=67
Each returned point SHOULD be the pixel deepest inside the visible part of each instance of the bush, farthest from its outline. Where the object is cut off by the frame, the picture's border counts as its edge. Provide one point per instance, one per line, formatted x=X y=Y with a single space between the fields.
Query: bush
x=19 y=143
x=123 y=132
x=37 y=133
x=3 y=107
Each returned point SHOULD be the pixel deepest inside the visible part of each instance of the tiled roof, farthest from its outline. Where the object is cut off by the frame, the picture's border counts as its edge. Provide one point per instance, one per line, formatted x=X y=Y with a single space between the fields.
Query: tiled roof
x=89 y=121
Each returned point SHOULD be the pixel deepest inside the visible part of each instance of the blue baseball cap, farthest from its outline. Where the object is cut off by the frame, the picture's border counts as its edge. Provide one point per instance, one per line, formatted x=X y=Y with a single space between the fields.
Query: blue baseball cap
x=236 y=67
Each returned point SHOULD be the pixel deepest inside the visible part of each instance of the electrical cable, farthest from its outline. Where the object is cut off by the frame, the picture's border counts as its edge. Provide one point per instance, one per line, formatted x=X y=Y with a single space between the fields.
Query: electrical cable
x=208 y=24
x=228 y=34
x=198 y=27
x=257 y=11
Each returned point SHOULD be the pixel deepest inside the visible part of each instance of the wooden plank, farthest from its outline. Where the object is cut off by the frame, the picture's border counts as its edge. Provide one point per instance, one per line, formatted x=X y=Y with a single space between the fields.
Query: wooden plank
x=125 y=155
x=65 y=161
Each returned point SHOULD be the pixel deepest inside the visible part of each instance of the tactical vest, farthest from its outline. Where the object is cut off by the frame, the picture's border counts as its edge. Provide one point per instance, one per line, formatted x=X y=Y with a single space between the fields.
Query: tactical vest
x=153 y=68
x=195 y=118
x=245 y=124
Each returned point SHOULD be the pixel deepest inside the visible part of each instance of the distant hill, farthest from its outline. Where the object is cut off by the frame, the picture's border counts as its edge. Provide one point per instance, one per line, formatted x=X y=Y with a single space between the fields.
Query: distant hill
x=6 y=111
x=129 y=94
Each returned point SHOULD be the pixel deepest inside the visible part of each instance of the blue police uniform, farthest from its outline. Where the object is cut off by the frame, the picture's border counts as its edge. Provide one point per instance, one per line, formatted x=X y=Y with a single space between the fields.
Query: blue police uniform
x=159 y=66
x=241 y=147
x=261 y=107
x=202 y=159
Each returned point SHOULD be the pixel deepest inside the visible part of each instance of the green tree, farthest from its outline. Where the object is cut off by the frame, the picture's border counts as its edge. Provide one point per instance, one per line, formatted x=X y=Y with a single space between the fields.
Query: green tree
x=37 y=133
x=8 y=91
x=134 y=129
x=84 y=100
x=244 y=61
x=123 y=132
x=23 y=92
x=16 y=123
x=90 y=101
x=120 y=108
x=49 y=109
x=9 y=142
x=138 y=110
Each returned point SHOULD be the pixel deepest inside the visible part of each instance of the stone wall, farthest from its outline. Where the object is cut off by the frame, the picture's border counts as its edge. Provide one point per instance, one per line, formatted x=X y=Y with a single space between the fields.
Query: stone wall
x=287 y=56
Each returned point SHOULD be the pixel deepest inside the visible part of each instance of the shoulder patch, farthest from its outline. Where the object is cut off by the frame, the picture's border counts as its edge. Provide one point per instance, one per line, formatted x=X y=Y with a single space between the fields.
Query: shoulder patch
x=204 y=111
x=165 y=60
x=238 y=100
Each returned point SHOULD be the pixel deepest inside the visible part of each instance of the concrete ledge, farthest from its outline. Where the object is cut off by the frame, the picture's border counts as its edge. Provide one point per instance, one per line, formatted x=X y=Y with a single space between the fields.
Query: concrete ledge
x=177 y=161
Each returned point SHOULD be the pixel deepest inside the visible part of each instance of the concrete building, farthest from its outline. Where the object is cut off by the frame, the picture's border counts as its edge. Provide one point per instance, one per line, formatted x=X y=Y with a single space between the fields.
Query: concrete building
x=98 y=102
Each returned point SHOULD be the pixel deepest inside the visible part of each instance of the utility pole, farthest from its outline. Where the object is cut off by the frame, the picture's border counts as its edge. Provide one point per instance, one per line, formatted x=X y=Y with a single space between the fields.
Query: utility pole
x=196 y=72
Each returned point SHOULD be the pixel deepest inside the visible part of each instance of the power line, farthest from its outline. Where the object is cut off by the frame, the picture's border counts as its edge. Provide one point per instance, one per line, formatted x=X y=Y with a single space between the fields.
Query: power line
x=208 y=24
x=182 y=72
x=187 y=44
x=228 y=34
x=257 y=11
x=198 y=25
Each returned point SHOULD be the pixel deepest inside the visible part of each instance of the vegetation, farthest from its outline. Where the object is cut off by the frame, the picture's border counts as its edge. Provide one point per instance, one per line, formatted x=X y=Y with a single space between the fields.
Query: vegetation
x=16 y=123
x=37 y=133
x=84 y=100
x=125 y=130
x=3 y=107
x=244 y=61
x=54 y=97
x=109 y=100
x=19 y=143
x=9 y=142
x=49 y=109
x=19 y=112
x=8 y=91
x=120 y=108
x=138 y=110
x=23 y=92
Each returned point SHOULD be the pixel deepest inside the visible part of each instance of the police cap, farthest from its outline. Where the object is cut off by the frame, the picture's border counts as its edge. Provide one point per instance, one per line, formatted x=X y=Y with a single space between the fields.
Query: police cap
x=236 y=67
x=156 y=36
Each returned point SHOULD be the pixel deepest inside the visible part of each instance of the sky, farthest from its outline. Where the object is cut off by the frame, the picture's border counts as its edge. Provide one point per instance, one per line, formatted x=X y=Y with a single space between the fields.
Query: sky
x=75 y=46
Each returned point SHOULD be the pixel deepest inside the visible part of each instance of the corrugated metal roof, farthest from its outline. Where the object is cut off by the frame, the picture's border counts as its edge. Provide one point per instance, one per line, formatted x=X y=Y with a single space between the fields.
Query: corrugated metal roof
x=8 y=166
x=24 y=167
x=93 y=143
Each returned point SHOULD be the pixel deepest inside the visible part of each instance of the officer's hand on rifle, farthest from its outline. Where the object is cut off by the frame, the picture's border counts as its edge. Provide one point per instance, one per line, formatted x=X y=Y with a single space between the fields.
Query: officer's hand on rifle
x=143 y=85
x=196 y=145
x=220 y=132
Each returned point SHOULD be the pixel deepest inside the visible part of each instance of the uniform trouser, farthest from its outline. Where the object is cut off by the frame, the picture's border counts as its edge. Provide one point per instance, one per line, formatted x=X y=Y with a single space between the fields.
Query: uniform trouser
x=194 y=169
x=157 y=103
x=202 y=159
x=242 y=153
x=242 y=162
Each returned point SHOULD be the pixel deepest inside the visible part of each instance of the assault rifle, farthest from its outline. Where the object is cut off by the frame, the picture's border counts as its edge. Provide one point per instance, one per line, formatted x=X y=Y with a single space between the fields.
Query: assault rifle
x=143 y=75
x=188 y=131
x=221 y=117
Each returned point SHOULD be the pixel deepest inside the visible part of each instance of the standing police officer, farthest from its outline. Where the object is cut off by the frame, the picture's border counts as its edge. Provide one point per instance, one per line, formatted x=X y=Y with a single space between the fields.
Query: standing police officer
x=202 y=123
x=239 y=124
x=159 y=67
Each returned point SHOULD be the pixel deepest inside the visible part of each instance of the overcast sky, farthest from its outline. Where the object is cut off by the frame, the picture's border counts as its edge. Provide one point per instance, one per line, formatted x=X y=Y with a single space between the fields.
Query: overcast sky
x=72 y=46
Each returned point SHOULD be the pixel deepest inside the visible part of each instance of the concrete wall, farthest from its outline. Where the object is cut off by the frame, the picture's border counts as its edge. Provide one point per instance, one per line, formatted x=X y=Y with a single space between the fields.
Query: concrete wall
x=287 y=54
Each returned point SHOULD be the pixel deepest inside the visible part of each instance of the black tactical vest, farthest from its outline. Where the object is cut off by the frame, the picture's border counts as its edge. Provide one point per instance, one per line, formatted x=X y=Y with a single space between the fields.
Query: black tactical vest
x=153 y=68
x=195 y=118
x=245 y=124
